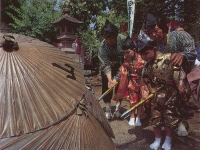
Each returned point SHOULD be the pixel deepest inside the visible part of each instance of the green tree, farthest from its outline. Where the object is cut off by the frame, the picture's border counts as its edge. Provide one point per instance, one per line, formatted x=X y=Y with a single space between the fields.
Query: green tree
x=34 y=18
x=94 y=12
x=120 y=6
x=85 y=10
x=4 y=6
x=91 y=38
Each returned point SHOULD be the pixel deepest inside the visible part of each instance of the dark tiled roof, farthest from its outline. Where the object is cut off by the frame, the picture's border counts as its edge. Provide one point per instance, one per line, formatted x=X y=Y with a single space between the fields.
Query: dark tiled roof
x=67 y=17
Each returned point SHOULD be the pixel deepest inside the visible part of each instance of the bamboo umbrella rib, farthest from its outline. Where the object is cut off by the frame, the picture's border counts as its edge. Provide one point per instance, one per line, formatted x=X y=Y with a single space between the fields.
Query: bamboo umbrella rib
x=65 y=133
x=41 y=90
x=26 y=90
x=47 y=140
x=61 y=139
x=31 y=81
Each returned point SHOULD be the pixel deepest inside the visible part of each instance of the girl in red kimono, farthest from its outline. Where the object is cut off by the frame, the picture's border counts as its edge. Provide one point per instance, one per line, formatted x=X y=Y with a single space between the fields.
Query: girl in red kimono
x=128 y=77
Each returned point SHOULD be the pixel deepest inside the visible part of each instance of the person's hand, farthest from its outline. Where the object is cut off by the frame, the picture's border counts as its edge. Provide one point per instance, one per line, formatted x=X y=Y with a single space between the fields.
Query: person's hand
x=144 y=91
x=177 y=59
x=111 y=83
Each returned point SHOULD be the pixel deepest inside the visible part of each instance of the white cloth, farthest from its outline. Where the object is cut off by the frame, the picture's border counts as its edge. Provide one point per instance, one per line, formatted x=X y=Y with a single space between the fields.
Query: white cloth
x=197 y=63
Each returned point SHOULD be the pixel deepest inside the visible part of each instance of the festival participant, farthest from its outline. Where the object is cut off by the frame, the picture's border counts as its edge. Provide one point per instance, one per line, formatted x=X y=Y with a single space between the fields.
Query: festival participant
x=128 y=77
x=181 y=45
x=177 y=31
x=165 y=80
x=110 y=57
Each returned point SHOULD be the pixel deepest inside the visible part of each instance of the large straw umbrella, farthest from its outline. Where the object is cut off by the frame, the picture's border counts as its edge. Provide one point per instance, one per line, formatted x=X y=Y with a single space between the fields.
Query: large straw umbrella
x=43 y=100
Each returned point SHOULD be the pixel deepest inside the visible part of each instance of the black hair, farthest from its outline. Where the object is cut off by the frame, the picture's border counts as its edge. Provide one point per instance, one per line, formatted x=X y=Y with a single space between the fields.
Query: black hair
x=109 y=29
x=149 y=45
x=162 y=24
x=128 y=44
x=152 y=21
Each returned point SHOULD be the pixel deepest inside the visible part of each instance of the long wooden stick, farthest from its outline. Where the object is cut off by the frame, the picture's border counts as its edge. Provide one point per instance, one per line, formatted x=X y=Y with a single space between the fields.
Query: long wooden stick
x=138 y=104
x=106 y=92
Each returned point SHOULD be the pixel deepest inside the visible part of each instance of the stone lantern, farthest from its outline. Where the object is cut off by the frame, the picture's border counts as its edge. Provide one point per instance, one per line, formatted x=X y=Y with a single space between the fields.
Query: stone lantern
x=68 y=28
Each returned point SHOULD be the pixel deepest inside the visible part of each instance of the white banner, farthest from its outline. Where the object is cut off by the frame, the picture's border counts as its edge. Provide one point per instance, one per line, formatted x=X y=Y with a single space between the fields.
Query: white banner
x=131 y=12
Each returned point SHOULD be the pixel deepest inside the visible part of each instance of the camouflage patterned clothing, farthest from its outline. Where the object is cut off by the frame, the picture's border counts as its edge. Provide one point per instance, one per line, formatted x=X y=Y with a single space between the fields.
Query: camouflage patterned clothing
x=109 y=56
x=162 y=79
x=179 y=41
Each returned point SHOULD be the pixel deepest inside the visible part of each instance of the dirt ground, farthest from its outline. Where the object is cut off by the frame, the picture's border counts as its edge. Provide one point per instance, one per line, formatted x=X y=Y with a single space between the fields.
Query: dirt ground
x=139 y=138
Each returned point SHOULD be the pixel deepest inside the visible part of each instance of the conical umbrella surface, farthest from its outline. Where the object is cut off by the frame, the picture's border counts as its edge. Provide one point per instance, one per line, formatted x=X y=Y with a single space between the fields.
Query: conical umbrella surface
x=41 y=89
x=39 y=86
x=77 y=132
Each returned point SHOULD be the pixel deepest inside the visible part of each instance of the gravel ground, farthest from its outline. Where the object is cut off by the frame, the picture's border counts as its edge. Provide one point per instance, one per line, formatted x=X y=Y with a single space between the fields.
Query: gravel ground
x=139 y=138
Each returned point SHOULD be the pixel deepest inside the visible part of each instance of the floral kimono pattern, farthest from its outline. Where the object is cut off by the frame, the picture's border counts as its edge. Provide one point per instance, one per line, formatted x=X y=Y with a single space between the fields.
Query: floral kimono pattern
x=129 y=76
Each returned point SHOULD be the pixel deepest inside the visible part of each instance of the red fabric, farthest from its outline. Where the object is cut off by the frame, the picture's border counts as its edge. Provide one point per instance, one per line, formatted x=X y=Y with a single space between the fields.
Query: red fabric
x=173 y=25
x=129 y=85
x=134 y=38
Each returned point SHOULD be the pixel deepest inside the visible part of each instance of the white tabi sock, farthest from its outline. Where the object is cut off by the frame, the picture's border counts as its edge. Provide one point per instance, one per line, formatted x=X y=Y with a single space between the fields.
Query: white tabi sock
x=117 y=106
x=132 y=122
x=181 y=130
x=108 y=107
x=137 y=122
x=155 y=144
x=108 y=111
x=117 y=113
x=168 y=143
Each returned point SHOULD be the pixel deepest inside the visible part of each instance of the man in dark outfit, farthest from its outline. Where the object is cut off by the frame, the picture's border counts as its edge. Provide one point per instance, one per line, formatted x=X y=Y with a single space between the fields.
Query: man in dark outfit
x=110 y=57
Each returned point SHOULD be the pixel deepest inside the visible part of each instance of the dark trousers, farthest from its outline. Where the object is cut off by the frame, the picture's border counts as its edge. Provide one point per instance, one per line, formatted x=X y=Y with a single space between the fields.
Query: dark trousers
x=104 y=79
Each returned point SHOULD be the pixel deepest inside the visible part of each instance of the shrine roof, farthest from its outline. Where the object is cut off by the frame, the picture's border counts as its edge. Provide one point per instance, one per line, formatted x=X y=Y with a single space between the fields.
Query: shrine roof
x=67 y=17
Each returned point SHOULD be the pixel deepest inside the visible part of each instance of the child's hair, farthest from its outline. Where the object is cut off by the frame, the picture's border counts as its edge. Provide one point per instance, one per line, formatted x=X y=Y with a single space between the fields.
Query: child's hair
x=128 y=44
x=162 y=24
